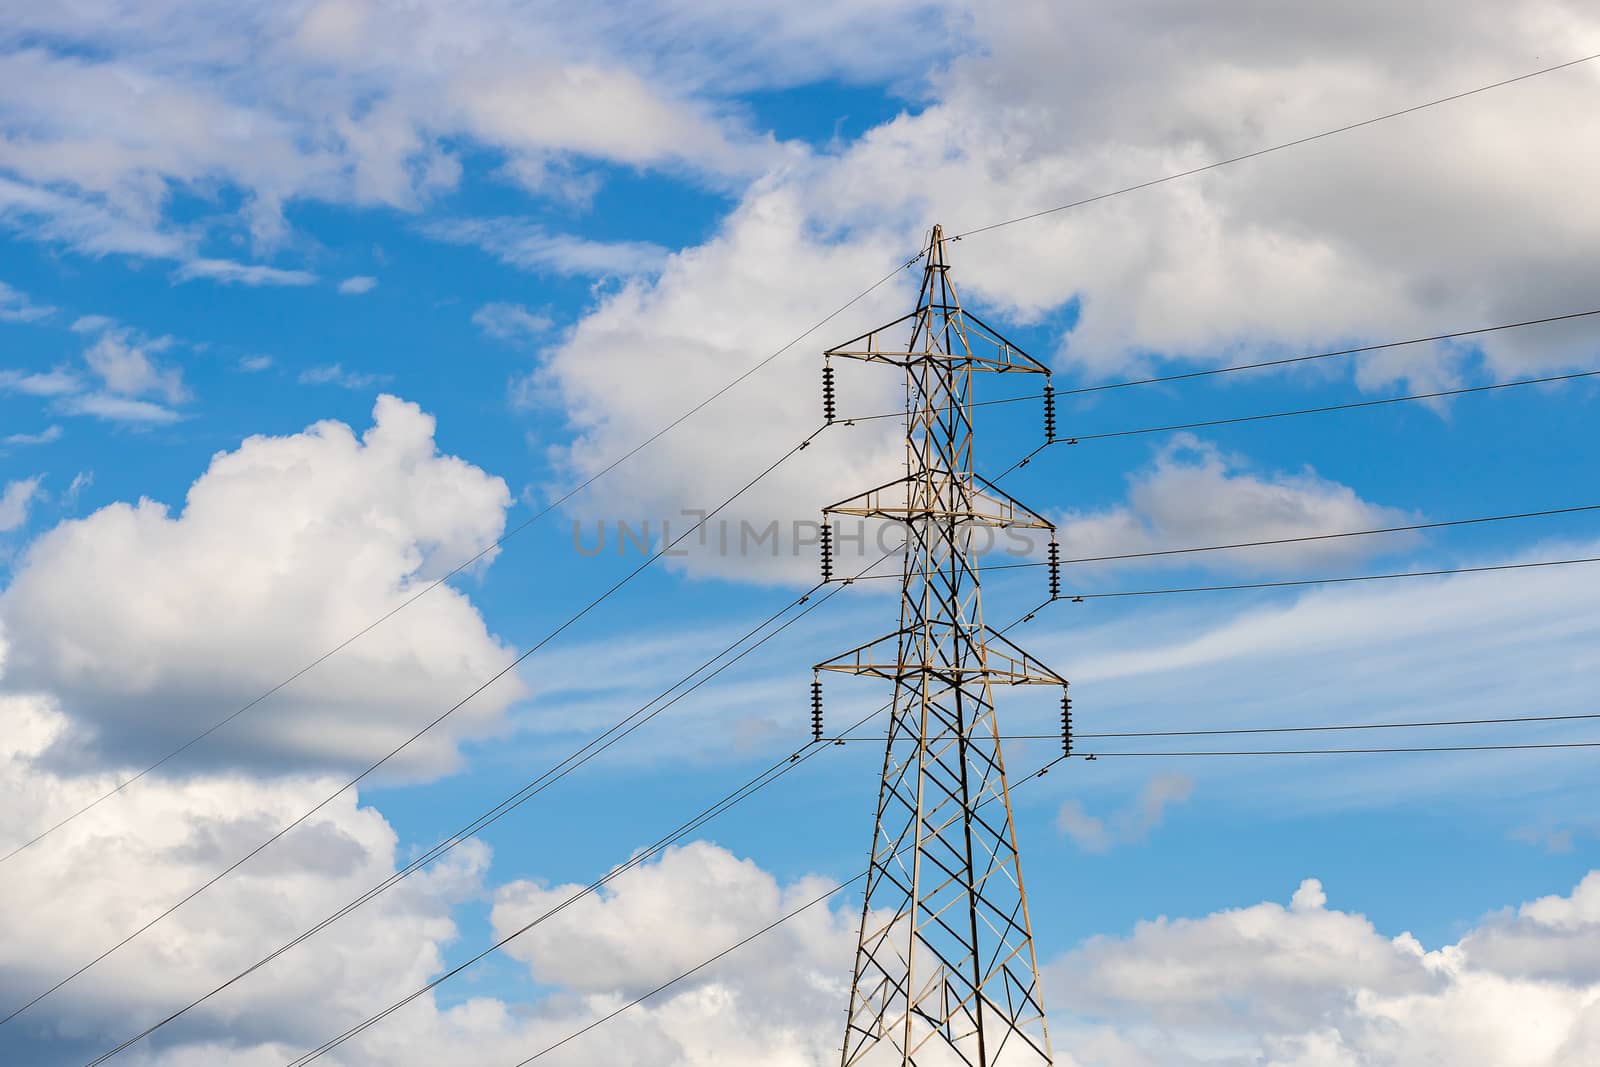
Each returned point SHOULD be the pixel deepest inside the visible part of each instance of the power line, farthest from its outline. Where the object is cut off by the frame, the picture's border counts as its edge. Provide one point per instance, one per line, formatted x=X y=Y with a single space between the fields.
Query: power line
x=1414 y=527
x=1330 y=581
x=1237 y=367
x=1332 y=407
x=1277 y=147
x=1040 y=773
x=1037 y=774
x=804 y=754
x=583 y=755
x=696 y=969
x=1346 y=751
x=1208 y=423
x=571 y=620
x=1275 y=729
x=457 y=569
x=761 y=781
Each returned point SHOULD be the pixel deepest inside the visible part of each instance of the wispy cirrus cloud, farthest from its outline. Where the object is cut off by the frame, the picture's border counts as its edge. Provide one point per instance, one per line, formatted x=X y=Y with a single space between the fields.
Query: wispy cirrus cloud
x=229 y=272
x=528 y=246
x=16 y=306
x=336 y=374
x=511 y=323
x=44 y=437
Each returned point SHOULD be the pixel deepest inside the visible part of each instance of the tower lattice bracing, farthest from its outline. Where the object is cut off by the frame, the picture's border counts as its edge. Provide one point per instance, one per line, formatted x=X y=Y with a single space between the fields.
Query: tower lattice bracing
x=945 y=969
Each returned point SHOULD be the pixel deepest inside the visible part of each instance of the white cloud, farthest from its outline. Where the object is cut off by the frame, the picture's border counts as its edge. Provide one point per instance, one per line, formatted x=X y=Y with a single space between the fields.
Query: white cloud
x=1279 y=255
x=116 y=409
x=1195 y=495
x=56 y=382
x=231 y=273
x=528 y=246
x=14 y=502
x=283 y=549
x=121 y=360
x=335 y=374
x=1131 y=824
x=664 y=917
x=44 y=437
x=511 y=323
x=16 y=307
x=99 y=878
x=358 y=284
x=106 y=126
x=1309 y=986
x=255 y=364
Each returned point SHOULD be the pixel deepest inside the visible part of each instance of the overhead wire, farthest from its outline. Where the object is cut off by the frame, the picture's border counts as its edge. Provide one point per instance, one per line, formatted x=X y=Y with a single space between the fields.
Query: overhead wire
x=1075 y=597
x=1305 y=538
x=597 y=745
x=570 y=621
x=724 y=953
x=1236 y=368
x=1348 y=751
x=1256 y=154
x=457 y=569
x=761 y=781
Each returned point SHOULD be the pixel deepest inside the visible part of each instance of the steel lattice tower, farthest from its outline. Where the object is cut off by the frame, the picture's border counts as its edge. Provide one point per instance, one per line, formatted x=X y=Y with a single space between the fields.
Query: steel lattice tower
x=945 y=969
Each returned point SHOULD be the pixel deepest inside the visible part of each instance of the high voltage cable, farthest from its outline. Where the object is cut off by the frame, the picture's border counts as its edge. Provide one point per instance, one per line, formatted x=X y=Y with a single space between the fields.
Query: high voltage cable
x=1208 y=423
x=1040 y=773
x=1334 y=407
x=1330 y=581
x=664 y=986
x=1346 y=751
x=1237 y=367
x=1278 y=147
x=583 y=755
x=458 y=568
x=1076 y=735
x=761 y=781
x=597 y=601
x=844 y=885
x=1272 y=541
x=781 y=768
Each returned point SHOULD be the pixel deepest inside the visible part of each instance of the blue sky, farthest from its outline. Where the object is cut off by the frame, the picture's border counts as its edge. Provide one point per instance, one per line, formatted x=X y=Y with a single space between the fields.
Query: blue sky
x=227 y=236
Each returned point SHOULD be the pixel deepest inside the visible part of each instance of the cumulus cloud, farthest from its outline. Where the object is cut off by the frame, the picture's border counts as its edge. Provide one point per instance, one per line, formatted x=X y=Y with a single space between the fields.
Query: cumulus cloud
x=1275 y=256
x=1306 y=985
x=284 y=547
x=358 y=284
x=1195 y=495
x=99 y=878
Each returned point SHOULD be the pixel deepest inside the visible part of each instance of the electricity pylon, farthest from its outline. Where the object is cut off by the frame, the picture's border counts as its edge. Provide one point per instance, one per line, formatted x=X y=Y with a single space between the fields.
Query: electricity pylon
x=945 y=969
